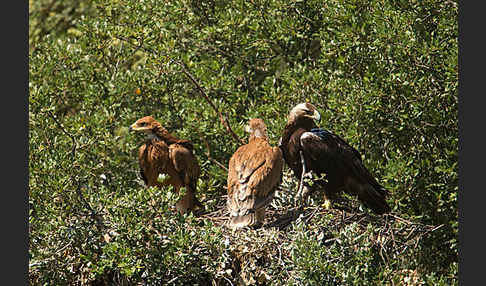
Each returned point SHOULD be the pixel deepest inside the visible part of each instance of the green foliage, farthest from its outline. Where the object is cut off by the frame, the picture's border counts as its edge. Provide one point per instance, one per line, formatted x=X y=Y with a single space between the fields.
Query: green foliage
x=383 y=74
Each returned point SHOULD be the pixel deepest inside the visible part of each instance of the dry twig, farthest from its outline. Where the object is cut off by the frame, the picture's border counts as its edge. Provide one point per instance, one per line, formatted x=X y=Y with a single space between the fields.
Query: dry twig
x=222 y=119
x=208 y=149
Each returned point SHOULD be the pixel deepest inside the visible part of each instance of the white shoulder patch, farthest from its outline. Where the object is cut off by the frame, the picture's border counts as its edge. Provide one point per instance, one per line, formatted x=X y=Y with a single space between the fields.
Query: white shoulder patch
x=301 y=106
x=308 y=136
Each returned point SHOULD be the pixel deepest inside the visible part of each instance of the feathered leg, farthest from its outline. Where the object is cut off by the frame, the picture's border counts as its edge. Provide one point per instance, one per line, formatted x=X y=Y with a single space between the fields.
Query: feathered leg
x=303 y=190
x=327 y=204
x=259 y=217
x=330 y=194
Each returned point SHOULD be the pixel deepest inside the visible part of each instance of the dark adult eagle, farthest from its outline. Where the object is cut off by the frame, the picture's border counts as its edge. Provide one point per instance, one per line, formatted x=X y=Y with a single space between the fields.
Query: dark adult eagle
x=326 y=153
x=163 y=153
x=254 y=172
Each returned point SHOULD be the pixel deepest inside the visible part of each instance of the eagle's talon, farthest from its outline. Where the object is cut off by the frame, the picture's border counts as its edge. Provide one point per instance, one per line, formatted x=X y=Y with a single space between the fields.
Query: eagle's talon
x=327 y=204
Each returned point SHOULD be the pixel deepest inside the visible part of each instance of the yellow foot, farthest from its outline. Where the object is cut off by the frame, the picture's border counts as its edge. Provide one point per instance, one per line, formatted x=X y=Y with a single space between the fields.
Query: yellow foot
x=326 y=204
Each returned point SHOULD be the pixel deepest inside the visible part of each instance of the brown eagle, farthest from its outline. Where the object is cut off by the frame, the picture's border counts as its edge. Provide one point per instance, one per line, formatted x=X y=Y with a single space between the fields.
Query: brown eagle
x=163 y=153
x=314 y=150
x=254 y=172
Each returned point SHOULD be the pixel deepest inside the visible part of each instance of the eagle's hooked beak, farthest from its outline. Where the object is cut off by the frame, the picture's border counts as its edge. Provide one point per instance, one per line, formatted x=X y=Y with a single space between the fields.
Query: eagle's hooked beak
x=132 y=127
x=316 y=116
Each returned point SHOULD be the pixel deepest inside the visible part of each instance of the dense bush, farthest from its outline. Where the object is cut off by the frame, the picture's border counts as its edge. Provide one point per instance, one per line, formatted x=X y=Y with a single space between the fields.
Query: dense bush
x=383 y=74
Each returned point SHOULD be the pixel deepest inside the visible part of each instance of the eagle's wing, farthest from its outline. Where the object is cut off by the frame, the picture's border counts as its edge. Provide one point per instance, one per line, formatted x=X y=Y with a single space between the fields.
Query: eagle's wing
x=153 y=158
x=325 y=152
x=185 y=164
x=254 y=172
x=142 y=162
x=188 y=170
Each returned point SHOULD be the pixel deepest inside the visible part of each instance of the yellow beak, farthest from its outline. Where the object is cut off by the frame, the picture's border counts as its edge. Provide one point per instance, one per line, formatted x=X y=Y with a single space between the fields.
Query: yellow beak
x=132 y=127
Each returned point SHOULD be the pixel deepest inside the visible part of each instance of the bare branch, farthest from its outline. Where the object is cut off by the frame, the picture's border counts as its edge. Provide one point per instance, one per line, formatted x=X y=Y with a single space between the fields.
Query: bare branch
x=93 y=214
x=208 y=149
x=73 y=150
x=222 y=119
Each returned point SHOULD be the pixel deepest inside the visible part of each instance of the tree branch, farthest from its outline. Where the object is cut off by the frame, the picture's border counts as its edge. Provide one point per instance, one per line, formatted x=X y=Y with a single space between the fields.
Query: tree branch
x=208 y=150
x=93 y=214
x=222 y=119
x=73 y=150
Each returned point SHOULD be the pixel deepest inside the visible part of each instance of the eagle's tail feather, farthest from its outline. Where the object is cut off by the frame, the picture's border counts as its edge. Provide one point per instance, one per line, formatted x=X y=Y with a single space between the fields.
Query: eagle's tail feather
x=189 y=202
x=252 y=219
x=375 y=198
x=192 y=189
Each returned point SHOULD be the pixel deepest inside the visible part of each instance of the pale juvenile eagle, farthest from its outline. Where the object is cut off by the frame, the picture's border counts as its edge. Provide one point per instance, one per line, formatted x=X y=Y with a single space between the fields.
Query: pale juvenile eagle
x=305 y=146
x=254 y=172
x=163 y=153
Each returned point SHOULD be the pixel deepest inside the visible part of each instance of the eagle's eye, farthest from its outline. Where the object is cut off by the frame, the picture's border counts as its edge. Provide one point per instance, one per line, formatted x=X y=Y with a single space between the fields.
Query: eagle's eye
x=143 y=123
